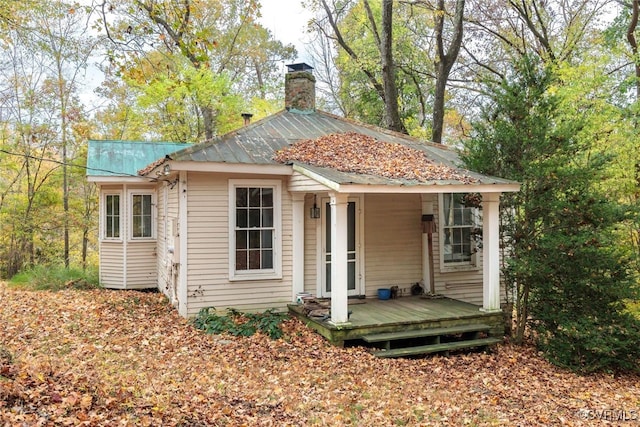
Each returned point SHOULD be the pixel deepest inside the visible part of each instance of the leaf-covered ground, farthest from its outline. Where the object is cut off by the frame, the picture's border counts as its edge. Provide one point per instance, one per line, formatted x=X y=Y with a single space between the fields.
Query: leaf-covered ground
x=126 y=358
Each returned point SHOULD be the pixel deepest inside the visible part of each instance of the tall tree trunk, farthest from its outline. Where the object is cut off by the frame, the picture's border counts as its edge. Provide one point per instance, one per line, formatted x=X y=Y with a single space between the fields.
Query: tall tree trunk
x=444 y=62
x=631 y=38
x=391 y=112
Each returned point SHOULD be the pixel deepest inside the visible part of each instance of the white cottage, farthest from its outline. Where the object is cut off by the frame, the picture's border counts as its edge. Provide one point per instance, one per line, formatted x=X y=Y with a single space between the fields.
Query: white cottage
x=223 y=224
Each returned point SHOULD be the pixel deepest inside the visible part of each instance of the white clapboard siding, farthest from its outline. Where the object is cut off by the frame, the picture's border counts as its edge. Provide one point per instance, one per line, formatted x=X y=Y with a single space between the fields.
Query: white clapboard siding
x=310 y=247
x=393 y=236
x=299 y=182
x=141 y=262
x=112 y=264
x=208 y=253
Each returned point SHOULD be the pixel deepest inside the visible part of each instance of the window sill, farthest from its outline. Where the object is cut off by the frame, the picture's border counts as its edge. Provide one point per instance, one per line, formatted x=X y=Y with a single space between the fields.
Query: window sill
x=255 y=277
x=459 y=267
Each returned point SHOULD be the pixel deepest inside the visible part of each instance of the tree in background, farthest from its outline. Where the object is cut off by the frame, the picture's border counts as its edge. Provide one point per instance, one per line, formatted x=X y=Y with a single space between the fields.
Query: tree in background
x=572 y=277
x=196 y=54
x=46 y=52
x=397 y=58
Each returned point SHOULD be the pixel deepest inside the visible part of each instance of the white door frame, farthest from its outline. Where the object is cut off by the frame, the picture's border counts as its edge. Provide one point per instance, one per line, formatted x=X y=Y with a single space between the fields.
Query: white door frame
x=322 y=253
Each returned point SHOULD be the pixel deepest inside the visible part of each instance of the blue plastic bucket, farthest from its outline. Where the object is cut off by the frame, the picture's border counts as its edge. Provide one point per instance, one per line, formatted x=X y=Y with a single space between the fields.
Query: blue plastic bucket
x=384 y=293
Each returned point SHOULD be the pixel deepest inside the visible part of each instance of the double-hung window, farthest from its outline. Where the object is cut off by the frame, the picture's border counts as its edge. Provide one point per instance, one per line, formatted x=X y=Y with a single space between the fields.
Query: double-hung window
x=141 y=216
x=459 y=227
x=254 y=229
x=111 y=222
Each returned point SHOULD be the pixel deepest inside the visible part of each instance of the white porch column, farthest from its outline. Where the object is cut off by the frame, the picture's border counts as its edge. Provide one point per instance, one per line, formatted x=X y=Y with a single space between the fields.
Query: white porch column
x=427 y=250
x=491 y=252
x=298 y=244
x=339 y=293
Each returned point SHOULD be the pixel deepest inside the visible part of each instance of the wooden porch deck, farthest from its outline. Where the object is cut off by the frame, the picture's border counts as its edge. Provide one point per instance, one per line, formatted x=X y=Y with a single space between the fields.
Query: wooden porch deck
x=410 y=313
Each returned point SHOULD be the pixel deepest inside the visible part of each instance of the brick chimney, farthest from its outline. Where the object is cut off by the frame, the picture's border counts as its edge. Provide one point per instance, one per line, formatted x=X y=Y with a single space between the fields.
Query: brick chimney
x=299 y=88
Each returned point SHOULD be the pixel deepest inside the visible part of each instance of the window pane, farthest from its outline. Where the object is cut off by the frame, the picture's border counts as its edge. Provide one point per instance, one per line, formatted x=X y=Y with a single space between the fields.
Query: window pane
x=137 y=226
x=351 y=229
x=267 y=197
x=137 y=205
x=254 y=239
x=267 y=259
x=241 y=239
x=146 y=232
x=254 y=260
x=351 y=276
x=241 y=260
x=241 y=197
x=267 y=239
x=242 y=218
x=116 y=228
x=254 y=197
x=116 y=205
x=254 y=218
x=328 y=274
x=109 y=226
x=267 y=217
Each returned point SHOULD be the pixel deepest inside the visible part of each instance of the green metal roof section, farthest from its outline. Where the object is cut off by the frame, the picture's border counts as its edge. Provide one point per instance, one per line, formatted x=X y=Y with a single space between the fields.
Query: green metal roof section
x=126 y=158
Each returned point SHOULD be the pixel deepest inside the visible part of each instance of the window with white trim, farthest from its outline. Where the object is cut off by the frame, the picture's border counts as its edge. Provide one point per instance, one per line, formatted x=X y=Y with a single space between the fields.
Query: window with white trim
x=460 y=227
x=111 y=221
x=142 y=215
x=254 y=229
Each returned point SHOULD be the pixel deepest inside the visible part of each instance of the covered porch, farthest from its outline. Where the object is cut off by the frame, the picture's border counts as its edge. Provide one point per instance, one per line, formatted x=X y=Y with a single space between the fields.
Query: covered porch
x=409 y=325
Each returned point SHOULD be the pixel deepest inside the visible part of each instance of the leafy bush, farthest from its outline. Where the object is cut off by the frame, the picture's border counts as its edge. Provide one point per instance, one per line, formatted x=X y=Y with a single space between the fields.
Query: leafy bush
x=55 y=278
x=240 y=324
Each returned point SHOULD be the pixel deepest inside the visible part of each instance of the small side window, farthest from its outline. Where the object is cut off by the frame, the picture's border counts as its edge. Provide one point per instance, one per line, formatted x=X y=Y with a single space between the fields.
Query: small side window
x=112 y=216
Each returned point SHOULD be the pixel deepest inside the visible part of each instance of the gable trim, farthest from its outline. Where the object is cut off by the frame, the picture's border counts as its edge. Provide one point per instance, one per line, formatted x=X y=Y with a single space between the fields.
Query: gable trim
x=230 y=168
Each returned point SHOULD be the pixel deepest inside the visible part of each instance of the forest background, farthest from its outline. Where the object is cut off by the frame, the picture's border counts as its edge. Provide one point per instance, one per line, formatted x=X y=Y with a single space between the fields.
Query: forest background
x=543 y=92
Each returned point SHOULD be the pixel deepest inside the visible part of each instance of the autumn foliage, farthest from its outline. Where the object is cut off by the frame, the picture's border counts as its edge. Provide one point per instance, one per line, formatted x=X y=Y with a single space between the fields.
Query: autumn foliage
x=357 y=153
x=102 y=357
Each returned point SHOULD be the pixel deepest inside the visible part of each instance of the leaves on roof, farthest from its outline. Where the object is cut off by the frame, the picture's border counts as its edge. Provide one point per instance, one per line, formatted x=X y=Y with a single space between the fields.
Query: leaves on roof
x=357 y=153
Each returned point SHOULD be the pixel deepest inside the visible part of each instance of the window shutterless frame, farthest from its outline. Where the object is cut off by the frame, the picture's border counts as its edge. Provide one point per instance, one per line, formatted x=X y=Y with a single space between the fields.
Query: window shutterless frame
x=142 y=205
x=111 y=224
x=255 y=228
x=457 y=224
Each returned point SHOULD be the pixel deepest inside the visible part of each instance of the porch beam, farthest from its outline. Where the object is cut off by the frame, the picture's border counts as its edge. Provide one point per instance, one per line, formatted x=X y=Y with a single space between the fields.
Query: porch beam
x=339 y=278
x=298 y=243
x=491 y=252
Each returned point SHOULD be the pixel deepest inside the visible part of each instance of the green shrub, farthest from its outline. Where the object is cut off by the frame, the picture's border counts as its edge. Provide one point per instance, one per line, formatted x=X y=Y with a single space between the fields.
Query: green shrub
x=55 y=278
x=240 y=324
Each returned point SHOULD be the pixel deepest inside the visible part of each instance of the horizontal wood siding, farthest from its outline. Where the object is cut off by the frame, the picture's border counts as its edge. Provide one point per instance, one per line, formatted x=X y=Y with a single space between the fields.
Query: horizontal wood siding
x=112 y=264
x=141 y=265
x=166 y=261
x=208 y=256
x=299 y=182
x=393 y=241
x=310 y=248
x=463 y=285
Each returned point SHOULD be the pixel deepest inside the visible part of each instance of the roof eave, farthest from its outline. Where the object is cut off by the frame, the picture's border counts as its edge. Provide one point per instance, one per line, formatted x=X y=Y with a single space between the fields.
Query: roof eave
x=427 y=187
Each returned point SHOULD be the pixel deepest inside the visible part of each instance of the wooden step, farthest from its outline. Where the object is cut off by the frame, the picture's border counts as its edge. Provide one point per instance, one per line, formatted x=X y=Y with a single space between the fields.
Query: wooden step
x=434 y=348
x=419 y=333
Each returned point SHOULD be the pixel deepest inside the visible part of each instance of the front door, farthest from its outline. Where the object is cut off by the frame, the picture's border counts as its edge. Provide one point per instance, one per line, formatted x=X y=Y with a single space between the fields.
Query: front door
x=352 y=248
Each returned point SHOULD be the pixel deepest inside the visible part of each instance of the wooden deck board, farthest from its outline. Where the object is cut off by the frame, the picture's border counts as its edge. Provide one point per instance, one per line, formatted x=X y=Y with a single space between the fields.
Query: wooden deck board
x=405 y=313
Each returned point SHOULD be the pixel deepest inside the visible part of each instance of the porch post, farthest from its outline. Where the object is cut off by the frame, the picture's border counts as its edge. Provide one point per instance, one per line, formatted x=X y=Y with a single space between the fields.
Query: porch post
x=298 y=243
x=491 y=252
x=339 y=293
x=427 y=242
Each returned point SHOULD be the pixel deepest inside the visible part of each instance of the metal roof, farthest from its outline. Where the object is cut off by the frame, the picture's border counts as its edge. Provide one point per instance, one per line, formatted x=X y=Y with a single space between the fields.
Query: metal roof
x=125 y=158
x=258 y=142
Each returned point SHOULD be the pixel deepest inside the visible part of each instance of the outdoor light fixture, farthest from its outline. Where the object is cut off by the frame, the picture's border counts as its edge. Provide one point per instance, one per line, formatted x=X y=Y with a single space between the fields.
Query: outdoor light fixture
x=314 y=212
x=166 y=169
